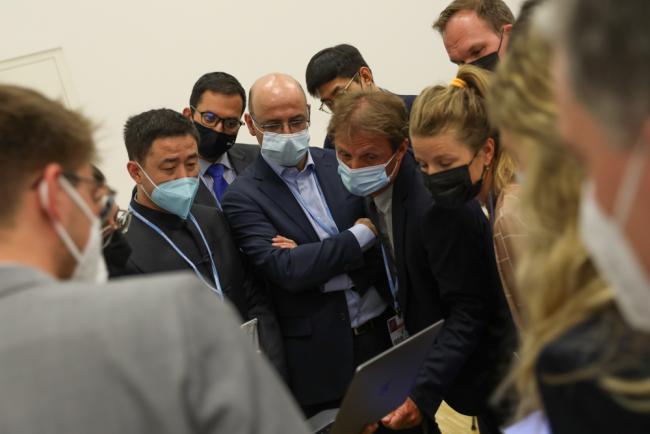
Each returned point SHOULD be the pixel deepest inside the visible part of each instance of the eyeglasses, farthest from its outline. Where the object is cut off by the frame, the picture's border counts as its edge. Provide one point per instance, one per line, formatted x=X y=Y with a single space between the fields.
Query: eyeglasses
x=294 y=126
x=327 y=105
x=211 y=120
x=122 y=223
x=105 y=200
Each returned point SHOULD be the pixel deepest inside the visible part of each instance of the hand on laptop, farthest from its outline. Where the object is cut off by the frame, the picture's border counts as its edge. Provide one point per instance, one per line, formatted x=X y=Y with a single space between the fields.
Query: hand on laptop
x=406 y=416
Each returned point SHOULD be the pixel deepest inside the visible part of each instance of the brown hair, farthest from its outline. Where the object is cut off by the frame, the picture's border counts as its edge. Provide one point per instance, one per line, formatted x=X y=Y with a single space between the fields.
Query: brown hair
x=461 y=108
x=34 y=132
x=374 y=113
x=495 y=12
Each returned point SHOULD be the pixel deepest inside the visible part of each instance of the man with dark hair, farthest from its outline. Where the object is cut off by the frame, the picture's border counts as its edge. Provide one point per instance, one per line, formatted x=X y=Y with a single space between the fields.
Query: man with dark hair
x=145 y=354
x=216 y=106
x=336 y=70
x=164 y=163
x=475 y=31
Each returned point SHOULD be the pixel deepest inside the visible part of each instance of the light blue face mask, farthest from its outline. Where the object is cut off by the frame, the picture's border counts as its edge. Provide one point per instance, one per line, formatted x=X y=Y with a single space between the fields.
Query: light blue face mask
x=175 y=196
x=285 y=149
x=366 y=180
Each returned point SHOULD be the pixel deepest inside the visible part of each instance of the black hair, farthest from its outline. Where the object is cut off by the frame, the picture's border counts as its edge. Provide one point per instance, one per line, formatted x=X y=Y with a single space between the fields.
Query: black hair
x=219 y=82
x=141 y=130
x=342 y=60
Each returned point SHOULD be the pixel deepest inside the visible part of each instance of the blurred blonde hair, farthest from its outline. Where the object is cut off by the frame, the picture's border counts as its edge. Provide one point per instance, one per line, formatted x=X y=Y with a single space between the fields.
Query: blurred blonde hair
x=558 y=282
x=461 y=108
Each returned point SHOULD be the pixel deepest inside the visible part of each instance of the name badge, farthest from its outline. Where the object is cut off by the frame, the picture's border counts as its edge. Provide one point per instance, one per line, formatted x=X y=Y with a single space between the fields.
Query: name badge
x=397 y=329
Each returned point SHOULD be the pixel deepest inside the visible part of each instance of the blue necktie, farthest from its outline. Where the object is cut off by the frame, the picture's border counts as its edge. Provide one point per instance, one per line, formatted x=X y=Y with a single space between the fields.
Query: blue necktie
x=219 y=184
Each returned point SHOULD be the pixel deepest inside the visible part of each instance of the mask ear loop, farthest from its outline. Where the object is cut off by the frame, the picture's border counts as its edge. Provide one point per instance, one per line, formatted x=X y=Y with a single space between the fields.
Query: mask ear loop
x=630 y=185
x=43 y=191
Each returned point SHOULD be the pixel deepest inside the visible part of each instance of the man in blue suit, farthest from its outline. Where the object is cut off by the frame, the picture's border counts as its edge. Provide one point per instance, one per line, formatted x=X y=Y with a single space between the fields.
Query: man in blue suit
x=305 y=233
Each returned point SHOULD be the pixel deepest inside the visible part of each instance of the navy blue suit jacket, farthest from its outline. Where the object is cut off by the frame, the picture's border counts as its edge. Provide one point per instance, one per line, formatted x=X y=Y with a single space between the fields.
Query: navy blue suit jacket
x=315 y=325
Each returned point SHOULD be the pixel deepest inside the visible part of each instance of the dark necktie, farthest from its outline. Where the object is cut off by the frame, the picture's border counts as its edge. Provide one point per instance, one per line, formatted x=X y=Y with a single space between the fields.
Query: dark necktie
x=219 y=183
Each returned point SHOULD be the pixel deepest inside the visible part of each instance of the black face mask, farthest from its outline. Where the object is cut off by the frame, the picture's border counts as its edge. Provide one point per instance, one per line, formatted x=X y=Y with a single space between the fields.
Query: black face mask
x=490 y=61
x=213 y=144
x=452 y=188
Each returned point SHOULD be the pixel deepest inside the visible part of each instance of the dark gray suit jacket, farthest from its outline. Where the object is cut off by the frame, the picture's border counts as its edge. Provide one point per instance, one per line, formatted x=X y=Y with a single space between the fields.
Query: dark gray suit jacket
x=137 y=355
x=241 y=156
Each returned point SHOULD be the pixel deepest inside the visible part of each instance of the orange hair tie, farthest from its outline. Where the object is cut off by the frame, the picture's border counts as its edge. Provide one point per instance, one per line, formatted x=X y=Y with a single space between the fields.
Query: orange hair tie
x=459 y=83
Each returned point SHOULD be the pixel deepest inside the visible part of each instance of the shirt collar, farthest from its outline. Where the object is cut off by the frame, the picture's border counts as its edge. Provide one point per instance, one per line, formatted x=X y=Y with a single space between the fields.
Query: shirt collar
x=283 y=171
x=384 y=200
x=204 y=165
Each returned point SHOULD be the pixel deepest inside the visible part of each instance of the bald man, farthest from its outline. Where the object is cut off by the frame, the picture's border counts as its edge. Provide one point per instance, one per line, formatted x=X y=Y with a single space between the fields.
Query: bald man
x=305 y=233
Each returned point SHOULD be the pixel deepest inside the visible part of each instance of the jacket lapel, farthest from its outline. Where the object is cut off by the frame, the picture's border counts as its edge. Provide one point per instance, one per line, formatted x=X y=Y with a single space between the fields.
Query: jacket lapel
x=277 y=191
x=333 y=190
x=400 y=196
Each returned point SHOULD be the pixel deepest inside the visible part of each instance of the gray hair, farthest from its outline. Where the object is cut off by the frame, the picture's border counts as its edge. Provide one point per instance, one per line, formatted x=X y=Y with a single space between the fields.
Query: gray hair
x=607 y=45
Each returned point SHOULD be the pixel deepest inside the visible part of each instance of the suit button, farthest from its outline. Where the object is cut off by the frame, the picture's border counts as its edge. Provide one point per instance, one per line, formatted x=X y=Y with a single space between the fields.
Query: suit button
x=342 y=316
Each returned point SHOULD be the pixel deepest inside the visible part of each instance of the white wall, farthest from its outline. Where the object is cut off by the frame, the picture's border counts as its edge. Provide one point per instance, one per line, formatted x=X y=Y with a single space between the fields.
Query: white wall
x=127 y=56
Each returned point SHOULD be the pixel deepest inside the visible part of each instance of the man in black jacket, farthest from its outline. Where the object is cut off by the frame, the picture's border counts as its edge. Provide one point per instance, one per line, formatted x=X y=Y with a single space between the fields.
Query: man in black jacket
x=169 y=232
x=442 y=260
x=216 y=106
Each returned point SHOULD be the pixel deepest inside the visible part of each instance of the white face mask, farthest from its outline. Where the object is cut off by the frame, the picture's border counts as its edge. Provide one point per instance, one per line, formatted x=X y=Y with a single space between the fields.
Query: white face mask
x=90 y=267
x=605 y=239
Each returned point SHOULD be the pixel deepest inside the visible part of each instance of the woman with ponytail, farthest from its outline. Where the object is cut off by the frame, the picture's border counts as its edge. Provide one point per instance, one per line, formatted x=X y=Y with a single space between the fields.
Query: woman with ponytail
x=461 y=159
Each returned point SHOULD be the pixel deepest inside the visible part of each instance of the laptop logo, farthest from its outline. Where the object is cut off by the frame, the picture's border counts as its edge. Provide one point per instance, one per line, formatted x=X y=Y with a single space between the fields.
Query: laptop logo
x=385 y=388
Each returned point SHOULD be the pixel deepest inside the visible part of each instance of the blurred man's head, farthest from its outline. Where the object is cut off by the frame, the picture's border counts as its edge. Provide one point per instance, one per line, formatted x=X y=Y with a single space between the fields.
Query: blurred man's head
x=216 y=106
x=49 y=217
x=475 y=31
x=334 y=71
x=601 y=76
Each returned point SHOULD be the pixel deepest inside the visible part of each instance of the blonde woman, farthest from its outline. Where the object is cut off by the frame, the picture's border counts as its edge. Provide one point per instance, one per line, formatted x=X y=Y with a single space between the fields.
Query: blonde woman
x=578 y=361
x=459 y=153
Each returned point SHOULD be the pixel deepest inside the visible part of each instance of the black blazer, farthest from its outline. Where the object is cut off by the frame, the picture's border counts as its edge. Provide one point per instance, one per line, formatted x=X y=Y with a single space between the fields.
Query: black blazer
x=150 y=253
x=604 y=345
x=446 y=269
x=315 y=325
x=241 y=156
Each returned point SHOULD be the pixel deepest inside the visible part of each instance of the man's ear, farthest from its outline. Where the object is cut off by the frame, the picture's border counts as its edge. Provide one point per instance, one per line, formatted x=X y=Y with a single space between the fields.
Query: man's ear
x=249 y=123
x=187 y=112
x=134 y=171
x=49 y=190
x=365 y=75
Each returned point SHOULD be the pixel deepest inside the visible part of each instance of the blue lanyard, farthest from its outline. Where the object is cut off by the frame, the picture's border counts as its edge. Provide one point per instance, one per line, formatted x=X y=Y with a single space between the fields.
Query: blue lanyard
x=330 y=230
x=217 y=288
x=393 y=284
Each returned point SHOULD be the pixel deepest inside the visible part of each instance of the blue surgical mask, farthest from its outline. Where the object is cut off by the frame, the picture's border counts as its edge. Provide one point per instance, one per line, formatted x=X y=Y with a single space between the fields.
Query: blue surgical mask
x=366 y=180
x=286 y=149
x=175 y=196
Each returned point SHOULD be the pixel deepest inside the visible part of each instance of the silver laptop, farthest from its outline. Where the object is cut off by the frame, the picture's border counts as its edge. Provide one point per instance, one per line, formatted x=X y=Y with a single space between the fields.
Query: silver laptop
x=379 y=386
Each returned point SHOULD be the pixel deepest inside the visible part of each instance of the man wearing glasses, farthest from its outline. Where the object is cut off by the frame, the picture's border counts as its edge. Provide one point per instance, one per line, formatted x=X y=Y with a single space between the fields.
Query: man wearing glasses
x=216 y=106
x=336 y=70
x=78 y=355
x=304 y=232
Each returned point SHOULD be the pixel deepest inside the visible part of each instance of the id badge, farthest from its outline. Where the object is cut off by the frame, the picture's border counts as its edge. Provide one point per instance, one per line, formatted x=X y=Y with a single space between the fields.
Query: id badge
x=397 y=329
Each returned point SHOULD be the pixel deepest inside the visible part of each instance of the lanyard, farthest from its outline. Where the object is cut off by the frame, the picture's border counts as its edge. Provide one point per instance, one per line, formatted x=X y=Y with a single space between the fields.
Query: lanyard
x=329 y=229
x=393 y=284
x=217 y=288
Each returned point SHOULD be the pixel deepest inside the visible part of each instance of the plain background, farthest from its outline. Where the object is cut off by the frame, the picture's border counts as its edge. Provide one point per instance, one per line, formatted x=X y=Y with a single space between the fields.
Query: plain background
x=128 y=56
